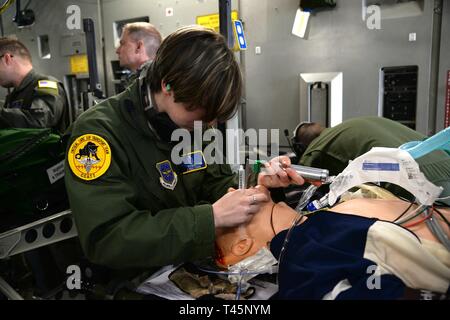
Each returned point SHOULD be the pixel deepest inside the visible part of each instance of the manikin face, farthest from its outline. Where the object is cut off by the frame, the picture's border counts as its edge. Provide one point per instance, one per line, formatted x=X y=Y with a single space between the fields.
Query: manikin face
x=236 y=244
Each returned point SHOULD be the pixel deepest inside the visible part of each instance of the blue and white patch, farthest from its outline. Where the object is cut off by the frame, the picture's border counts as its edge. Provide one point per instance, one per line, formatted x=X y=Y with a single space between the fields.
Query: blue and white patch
x=168 y=177
x=193 y=162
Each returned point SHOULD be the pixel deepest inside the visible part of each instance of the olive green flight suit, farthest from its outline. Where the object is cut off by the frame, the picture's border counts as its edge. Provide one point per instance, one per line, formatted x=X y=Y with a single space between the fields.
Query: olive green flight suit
x=39 y=102
x=126 y=218
x=134 y=75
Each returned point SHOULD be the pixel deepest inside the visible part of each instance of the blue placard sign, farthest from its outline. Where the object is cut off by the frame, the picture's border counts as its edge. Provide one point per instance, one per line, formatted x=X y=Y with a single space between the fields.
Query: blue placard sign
x=240 y=37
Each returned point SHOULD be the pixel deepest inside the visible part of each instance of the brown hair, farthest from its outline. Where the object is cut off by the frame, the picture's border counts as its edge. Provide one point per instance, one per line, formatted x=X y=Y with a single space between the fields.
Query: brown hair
x=147 y=33
x=201 y=70
x=307 y=132
x=14 y=47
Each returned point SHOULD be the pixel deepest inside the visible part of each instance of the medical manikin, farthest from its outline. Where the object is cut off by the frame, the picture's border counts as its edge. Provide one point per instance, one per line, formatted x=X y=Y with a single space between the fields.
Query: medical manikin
x=417 y=246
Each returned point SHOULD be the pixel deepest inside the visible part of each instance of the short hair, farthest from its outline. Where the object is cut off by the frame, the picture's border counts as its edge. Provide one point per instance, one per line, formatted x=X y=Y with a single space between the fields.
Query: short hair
x=146 y=32
x=201 y=70
x=14 y=47
x=307 y=132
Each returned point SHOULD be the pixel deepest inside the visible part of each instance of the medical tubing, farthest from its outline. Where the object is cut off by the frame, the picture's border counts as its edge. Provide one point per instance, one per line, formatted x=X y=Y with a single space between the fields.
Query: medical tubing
x=239 y=288
x=436 y=229
x=413 y=214
x=227 y=273
x=241 y=273
x=318 y=204
x=442 y=216
x=306 y=196
x=405 y=211
x=286 y=239
x=422 y=220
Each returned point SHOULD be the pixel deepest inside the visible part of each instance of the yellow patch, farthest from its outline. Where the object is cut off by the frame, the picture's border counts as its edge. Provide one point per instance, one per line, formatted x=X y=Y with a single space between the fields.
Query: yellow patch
x=47 y=84
x=89 y=157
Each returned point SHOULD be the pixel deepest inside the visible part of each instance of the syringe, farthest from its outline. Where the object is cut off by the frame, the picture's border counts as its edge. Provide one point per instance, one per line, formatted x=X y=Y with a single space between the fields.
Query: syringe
x=242 y=186
x=242 y=178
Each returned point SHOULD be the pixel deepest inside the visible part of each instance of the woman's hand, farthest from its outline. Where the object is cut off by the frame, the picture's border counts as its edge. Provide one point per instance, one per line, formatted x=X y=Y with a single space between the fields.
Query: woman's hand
x=238 y=206
x=278 y=173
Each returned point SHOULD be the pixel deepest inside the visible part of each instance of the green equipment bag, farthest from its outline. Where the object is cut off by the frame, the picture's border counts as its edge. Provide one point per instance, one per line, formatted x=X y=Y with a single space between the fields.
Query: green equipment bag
x=31 y=172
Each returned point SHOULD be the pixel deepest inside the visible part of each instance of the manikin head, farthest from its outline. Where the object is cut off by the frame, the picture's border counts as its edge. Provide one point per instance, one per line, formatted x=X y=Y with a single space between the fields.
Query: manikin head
x=235 y=244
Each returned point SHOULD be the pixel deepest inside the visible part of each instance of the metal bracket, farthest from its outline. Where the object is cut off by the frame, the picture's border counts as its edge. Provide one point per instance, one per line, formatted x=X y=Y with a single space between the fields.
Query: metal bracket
x=37 y=234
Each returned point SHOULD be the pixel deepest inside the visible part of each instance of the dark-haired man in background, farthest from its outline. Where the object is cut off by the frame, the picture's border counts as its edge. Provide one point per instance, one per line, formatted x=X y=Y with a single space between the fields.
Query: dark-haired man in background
x=37 y=101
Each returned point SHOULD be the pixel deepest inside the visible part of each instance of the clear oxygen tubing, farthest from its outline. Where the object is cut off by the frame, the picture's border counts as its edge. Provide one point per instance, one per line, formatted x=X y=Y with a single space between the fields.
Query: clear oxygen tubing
x=306 y=196
x=286 y=240
x=304 y=200
x=420 y=209
x=437 y=230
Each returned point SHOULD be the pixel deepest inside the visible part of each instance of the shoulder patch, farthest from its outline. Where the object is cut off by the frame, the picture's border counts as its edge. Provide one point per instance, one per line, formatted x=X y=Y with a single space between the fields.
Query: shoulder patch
x=89 y=157
x=168 y=177
x=48 y=86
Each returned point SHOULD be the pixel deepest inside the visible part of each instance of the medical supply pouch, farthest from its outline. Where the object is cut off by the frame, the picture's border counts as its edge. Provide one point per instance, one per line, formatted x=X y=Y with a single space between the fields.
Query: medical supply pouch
x=31 y=172
x=199 y=284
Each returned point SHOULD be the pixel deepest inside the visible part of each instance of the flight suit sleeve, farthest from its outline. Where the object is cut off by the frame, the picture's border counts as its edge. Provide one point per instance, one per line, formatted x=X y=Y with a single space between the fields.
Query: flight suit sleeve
x=115 y=232
x=45 y=111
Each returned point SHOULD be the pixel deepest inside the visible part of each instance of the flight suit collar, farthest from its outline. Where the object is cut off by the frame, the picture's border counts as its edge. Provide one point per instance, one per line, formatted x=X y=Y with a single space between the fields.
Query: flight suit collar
x=132 y=108
x=29 y=78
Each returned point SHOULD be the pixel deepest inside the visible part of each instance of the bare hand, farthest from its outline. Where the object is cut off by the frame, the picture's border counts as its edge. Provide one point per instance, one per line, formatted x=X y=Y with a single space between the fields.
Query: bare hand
x=278 y=173
x=238 y=206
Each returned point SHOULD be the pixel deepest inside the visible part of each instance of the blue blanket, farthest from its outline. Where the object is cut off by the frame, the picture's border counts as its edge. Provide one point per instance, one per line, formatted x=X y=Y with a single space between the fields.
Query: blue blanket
x=325 y=259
